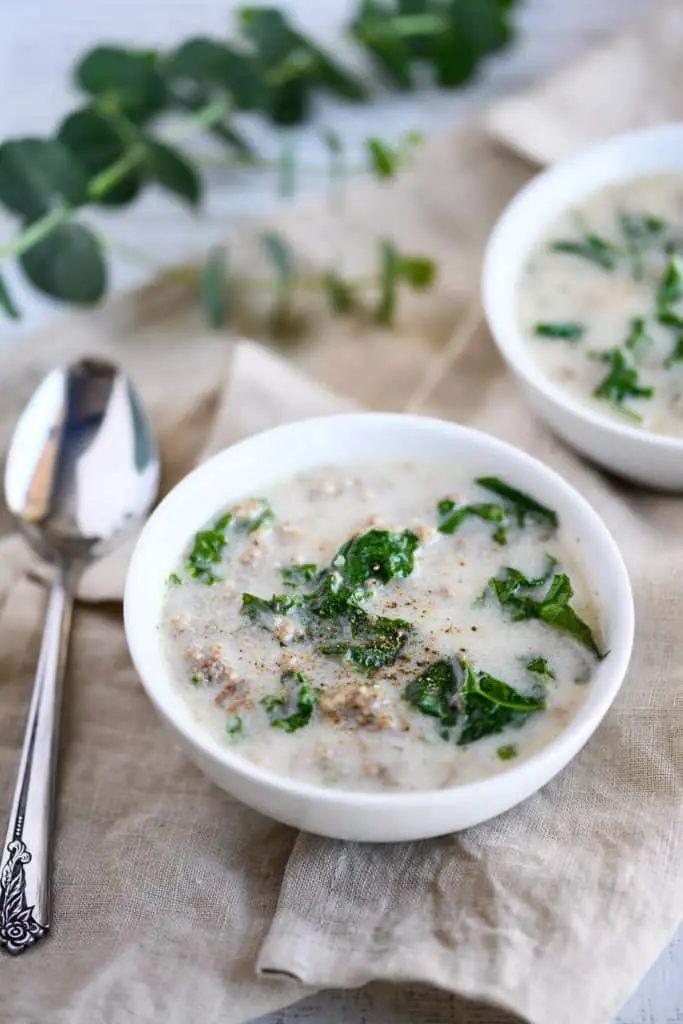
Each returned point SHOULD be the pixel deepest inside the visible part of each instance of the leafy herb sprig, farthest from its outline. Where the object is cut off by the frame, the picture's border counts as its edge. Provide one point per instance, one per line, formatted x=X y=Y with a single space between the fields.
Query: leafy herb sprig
x=108 y=151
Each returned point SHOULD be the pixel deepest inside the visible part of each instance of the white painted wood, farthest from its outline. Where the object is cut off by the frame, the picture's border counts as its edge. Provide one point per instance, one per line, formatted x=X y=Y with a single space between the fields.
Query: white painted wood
x=39 y=41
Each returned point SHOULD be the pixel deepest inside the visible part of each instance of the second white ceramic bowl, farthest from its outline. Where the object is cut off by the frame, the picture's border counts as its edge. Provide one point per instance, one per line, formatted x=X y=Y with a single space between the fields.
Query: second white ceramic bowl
x=638 y=455
x=250 y=468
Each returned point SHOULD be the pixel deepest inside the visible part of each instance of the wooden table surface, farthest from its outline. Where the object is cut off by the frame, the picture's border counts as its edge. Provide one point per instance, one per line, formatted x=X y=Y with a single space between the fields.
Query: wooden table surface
x=39 y=41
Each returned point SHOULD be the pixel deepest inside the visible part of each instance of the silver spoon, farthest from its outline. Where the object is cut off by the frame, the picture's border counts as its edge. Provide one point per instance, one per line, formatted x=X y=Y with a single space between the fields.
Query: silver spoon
x=82 y=471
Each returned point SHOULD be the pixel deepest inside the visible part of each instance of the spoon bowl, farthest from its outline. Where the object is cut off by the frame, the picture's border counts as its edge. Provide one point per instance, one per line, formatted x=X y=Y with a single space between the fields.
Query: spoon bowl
x=82 y=463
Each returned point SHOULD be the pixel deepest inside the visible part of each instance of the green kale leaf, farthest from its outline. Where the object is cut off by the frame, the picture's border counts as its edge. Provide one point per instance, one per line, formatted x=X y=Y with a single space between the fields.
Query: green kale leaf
x=374 y=641
x=379 y=554
x=569 y=331
x=554 y=609
x=298 y=574
x=433 y=692
x=541 y=670
x=207 y=550
x=452 y=516
x=522 y=505
x=490 y=705
x=295 y=705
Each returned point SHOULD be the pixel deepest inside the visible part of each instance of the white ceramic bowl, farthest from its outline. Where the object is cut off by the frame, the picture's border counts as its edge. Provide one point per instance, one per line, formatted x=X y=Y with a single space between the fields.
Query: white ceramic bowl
x=639 y=455
x=251 y=467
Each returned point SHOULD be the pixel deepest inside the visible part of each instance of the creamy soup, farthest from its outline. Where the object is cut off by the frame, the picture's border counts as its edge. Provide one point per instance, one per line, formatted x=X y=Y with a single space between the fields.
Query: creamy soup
x=383 y=626
x=601 y=301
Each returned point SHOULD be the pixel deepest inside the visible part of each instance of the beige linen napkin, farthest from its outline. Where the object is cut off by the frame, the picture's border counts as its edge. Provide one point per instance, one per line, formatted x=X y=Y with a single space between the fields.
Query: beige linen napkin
x=170 y=895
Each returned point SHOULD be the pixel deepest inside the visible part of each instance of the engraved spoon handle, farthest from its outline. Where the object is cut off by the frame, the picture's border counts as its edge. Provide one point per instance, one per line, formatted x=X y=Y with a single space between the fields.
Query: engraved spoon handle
x=25 y=874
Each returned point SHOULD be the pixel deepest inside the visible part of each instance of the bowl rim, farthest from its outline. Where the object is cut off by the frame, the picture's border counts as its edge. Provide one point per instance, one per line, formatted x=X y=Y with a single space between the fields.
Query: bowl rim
x=497 y=266
x=149 y=662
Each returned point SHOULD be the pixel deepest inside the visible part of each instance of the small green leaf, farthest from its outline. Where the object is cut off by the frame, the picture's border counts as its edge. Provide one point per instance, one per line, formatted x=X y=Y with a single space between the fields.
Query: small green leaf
x=676 y=355
x=340 y=293
x=522 y=504
x=38 y=174
x=96 y=144
x=202 y=64
x=540 y=668
x=642 y=229
x=384 y=161
x=388 y=282
x=174 y=580
x=508 y=752
x=671 y=288
x=299 y=573
x=173 y=171
x=638 y=338
x=287 y=171
x=281 y=258
x=566 y=331
x=127 y=78
x=287 y=103
x=68 y=264
x=207 y=550
x=297 y=697
x=234 y=726
x=452 y=516
x=591 y=247
x=620 y=382
x=418 y=271
x=6 y=301
x=374 y=29
x=257 y=516
x=474 y=30
x=214 y=292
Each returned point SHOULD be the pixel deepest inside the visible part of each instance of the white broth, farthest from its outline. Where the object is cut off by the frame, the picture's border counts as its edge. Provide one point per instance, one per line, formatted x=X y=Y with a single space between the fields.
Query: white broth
x=601 y=302
x=393 y=663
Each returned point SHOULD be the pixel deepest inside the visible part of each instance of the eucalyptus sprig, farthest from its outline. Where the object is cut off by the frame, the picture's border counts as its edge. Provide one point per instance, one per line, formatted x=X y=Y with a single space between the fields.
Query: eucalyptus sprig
x=111 y=149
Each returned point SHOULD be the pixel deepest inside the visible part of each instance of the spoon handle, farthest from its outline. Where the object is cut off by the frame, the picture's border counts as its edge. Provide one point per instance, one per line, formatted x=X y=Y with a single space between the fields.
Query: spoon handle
x=27 y=855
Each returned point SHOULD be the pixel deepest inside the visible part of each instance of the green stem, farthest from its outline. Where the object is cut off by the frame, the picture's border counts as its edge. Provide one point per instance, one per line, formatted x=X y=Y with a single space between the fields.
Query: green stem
x=261 y=164
x=36 y=232
x=106 y=179
x=187 y=273
x=112 y=175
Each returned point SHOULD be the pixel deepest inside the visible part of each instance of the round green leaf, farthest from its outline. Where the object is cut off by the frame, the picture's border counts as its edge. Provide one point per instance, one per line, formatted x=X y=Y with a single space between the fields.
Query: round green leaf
x=67 y=264
x=206 y=63
x=173 y=171
x=36 y=174
x=127 y=76
x=418 y=271
x=97 y=145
